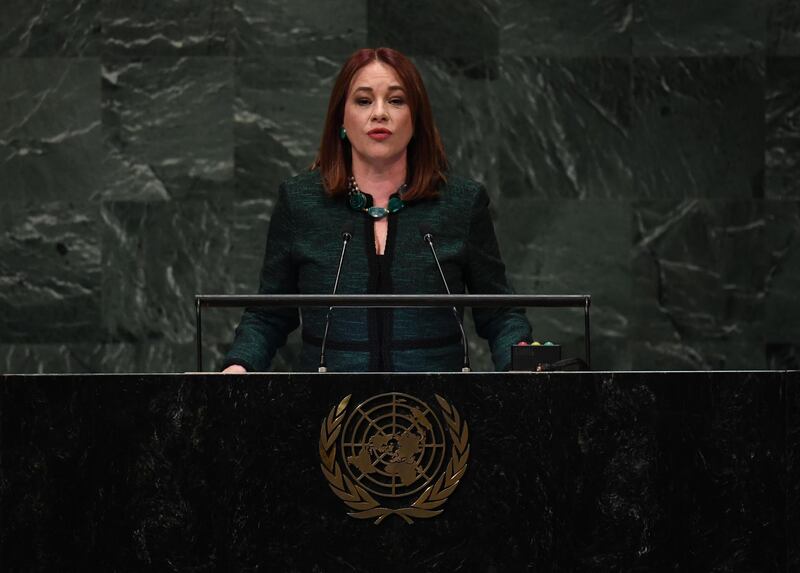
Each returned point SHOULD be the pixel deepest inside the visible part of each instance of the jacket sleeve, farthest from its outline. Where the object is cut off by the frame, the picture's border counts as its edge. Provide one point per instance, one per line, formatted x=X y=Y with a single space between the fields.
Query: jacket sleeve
x=486 y=274
x=262 y=331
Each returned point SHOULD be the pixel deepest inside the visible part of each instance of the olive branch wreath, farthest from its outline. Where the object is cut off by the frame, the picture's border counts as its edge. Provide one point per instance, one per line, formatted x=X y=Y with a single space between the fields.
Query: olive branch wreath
x=360 y=500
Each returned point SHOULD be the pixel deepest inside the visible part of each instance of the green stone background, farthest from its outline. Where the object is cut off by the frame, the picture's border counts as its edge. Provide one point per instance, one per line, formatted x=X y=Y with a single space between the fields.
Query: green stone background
x=645 y=152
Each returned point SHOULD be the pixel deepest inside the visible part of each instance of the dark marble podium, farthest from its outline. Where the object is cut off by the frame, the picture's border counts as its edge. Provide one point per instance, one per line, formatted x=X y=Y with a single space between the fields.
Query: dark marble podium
x=636 y=471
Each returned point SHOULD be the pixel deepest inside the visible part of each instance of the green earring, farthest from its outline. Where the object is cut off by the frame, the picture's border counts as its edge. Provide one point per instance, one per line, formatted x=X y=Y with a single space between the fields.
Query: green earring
x=342 y=132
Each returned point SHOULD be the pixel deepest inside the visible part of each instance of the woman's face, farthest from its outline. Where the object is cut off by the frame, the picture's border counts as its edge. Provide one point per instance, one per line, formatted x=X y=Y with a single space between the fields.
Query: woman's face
x=376 y=115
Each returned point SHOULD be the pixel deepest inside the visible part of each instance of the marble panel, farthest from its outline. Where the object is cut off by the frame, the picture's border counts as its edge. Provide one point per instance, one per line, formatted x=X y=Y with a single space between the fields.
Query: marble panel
x=146 y=356
x=173 y=28
x=699 y=283
x=573 y=247
x=280 y=109
x=465 y=31
x=50 y=138
x=464 y=115
x=300 y=27
x=691 y=28
x=564 y=128
x=783 y=28
x=168 y=122
x=67 y=358
x=49 y=28
x=566 y=28
x=170 y=114
x=782 y=154
x=783 y=356
x=157 y=256
x=782 y=254
x=50 y=272
x=150 y=356
x=698 y=126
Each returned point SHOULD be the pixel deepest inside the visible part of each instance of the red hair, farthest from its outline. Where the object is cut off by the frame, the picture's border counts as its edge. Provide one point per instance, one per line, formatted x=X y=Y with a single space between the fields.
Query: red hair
x=427 y=162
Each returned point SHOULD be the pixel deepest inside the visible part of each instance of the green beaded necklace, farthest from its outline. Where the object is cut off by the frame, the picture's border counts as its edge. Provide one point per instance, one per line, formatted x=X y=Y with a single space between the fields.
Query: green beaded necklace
x=358 y=201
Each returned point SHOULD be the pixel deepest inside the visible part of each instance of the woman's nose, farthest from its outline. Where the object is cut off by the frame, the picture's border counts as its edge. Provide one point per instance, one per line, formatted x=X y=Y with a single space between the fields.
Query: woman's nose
x=379 y=112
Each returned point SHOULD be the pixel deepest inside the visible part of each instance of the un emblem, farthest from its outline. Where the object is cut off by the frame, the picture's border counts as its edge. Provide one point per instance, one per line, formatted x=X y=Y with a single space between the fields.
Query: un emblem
x=392 y=447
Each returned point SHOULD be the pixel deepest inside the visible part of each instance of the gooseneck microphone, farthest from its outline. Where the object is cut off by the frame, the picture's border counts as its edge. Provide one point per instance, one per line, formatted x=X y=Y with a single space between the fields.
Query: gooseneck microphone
x=427 y=236
x=347 y=234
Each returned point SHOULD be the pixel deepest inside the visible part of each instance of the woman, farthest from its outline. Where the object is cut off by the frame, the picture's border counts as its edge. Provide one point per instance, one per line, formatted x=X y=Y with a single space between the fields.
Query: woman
x=380 y=148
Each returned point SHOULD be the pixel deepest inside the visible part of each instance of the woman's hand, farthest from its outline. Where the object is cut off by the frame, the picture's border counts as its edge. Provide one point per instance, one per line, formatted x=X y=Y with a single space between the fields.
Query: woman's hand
x=235 y=369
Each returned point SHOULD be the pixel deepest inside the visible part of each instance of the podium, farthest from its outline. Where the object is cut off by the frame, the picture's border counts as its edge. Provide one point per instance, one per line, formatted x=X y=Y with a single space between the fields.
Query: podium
x=594 y=471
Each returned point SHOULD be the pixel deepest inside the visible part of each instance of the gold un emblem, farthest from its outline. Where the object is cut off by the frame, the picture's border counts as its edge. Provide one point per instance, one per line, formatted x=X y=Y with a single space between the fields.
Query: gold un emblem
x=392 y=448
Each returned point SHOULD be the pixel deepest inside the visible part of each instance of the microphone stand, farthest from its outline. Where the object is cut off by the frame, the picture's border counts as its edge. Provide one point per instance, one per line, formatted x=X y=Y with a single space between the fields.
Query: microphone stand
x=347 y=234
x=428 y=237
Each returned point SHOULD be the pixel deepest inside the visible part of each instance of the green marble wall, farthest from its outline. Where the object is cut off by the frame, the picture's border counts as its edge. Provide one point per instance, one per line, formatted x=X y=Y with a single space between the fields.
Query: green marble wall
x=645 y=152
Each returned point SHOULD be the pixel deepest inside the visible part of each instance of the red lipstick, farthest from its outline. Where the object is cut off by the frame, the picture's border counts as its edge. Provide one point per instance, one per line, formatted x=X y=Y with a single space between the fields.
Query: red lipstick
x=379 y=133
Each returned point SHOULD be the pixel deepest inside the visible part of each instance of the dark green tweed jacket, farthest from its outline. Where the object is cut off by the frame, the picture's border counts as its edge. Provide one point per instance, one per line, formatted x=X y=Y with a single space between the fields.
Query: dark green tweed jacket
x=302 y=253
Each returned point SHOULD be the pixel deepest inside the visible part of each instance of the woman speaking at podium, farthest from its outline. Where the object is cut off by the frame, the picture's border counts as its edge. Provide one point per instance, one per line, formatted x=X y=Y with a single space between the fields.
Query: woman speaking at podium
x=381 y=175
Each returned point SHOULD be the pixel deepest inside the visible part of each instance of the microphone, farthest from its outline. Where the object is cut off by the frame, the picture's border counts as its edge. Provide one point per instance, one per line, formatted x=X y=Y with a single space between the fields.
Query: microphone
x=347 y=234
x=427 y=236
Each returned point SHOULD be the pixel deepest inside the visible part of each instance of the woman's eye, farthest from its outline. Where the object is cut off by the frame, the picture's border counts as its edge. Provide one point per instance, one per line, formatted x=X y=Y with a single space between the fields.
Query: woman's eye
x=362 y=101
x=397 y=101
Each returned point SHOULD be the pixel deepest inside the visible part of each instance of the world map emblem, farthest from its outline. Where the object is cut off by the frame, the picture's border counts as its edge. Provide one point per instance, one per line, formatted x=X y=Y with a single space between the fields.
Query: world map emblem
x=394 y=455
